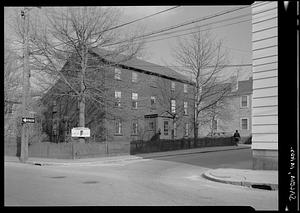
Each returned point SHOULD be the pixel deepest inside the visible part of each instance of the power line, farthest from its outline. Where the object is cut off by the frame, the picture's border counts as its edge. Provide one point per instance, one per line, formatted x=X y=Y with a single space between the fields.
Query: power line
x=147 y=41
x=183 y=24
x=122 y=25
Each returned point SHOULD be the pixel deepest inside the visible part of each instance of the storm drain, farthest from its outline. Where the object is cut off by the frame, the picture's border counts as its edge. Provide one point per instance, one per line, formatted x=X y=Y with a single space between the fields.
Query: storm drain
x=90 y=182
x=264 y=187
x=58 y=177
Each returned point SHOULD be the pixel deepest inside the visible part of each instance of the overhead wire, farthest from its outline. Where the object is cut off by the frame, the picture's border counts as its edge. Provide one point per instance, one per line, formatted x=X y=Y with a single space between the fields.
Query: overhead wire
x=183 y=24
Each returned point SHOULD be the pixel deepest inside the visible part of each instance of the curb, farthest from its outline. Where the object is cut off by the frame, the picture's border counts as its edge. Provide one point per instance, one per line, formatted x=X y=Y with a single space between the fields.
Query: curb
x=209 y=176
x=102 y=161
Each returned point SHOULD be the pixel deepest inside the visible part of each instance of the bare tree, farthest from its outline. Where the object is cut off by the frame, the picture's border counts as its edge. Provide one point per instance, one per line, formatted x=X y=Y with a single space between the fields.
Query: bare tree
x=62 y=52
x=204 y=59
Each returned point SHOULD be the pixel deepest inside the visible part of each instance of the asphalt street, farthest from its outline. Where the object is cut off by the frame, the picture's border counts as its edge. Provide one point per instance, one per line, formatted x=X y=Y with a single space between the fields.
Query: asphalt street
x=171 y=181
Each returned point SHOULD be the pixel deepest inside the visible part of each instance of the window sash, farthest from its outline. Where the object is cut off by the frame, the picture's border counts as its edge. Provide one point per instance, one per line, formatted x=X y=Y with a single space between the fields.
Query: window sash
x=172 y=86
x=134 y=77
x=244 y=123
x=244 y=101
x=186 y=129
x=166 y=127
x=173 y=106
x=185 y=88
x=185 y=107
x=134 y=127
x=118 y=126
x=214 y=125
x=117 y=74
x=134 y=96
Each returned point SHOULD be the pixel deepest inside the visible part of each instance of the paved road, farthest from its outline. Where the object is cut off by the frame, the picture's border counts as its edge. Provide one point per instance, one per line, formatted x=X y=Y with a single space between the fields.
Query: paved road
x=237 y=159
x=140 y=182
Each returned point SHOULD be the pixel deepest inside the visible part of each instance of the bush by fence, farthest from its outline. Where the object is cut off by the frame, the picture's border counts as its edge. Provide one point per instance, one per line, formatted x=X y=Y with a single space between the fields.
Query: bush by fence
x=185 y=143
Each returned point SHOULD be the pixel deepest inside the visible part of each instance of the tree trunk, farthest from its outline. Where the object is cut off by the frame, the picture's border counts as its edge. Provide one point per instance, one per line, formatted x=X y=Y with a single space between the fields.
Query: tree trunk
x=82 y=98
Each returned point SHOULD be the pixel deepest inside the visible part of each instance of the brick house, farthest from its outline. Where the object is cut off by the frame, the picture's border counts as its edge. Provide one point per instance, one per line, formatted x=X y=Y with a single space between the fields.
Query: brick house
x=141 y=97
x=236 y=114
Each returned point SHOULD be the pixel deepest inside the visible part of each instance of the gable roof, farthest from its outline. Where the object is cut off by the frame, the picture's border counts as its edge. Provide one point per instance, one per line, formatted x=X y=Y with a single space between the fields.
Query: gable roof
x=141 y=65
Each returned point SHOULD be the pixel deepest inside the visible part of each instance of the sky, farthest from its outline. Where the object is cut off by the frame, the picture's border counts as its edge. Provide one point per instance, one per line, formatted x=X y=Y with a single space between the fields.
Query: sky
x=236 y=36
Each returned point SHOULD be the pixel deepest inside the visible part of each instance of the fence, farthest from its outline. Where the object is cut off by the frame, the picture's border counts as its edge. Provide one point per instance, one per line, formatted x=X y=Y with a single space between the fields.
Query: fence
x=168 y=145
x=69 y=150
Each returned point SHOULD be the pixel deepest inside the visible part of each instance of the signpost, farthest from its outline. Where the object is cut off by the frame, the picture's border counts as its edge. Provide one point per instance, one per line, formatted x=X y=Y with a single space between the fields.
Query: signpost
x=28 y=120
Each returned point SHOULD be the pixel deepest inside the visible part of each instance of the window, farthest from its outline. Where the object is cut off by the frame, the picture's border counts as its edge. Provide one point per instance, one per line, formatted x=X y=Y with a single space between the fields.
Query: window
x=153 y=101
x=244 y=123
x=134 y=77
x=244 y=101
x=8 y=107
x=173 y=106
x=118 y=98
x=134 y=100
x=151 y=125
x=166 y=127
x=175 y=129
x=214 y=125
x=173 y=86
x=185 y=107
x=153 y=81
x=118 y=126
x=117 y=74
x=185 y=88
x=134 y=127
x=186 y=129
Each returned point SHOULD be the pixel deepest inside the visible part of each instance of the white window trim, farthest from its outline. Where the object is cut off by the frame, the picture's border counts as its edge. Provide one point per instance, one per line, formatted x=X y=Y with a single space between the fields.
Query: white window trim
x=241 y=126
x=175 y=129
x=241 y=99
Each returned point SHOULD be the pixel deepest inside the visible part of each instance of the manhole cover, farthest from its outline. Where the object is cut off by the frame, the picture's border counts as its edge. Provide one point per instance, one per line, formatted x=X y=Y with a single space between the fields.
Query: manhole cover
x=90 y=182
x=58 y=177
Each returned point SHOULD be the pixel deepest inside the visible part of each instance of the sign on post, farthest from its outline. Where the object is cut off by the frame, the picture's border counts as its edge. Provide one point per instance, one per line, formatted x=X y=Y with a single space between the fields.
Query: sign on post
x=28 y=120
x=80 y=132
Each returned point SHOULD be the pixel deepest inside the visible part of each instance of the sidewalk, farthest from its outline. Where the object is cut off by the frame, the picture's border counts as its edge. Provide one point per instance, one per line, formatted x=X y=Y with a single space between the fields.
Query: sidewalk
x=262 y=179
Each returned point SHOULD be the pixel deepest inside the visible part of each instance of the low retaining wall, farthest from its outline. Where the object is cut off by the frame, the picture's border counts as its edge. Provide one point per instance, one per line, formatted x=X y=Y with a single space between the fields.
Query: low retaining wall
x=69 y=150
x=137 y=147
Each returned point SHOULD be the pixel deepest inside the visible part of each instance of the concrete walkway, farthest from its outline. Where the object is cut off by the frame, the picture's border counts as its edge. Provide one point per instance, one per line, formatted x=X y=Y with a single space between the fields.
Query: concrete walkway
x=264 y=179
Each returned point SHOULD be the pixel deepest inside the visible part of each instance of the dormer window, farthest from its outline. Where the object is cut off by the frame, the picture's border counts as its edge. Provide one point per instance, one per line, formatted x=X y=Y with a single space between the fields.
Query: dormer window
x=134 y=77
x=117 y=74
x=185 y=88
x=173 y=86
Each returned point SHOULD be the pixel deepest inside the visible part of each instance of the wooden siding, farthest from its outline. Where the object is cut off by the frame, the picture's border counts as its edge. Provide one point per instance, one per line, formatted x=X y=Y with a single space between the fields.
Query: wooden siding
x=265 y=80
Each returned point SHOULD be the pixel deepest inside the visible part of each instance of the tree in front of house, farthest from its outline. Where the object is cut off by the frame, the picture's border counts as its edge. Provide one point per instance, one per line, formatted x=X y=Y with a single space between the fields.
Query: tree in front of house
x=61 y=40
x=203 y=57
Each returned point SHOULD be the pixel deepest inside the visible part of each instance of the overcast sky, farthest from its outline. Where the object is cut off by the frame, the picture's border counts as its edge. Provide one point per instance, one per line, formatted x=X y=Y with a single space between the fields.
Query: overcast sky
x=236 y=36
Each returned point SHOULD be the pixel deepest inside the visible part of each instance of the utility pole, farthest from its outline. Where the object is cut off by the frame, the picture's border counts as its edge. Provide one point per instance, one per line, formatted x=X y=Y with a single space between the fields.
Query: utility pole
x=26 y=87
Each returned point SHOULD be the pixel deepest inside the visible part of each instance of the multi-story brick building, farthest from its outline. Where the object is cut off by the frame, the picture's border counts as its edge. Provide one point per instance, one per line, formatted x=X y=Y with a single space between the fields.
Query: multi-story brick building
x=142 y=99
x=235 y=114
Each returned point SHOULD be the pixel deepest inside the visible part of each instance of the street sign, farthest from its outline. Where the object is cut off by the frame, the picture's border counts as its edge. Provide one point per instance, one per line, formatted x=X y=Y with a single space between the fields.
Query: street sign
x=80 y=132
x=28 y=120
